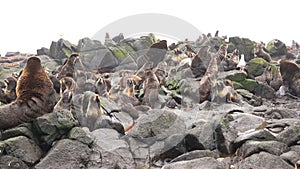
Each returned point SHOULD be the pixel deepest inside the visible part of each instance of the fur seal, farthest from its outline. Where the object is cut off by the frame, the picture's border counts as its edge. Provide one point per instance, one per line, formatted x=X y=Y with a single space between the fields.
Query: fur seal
x=297 y=165
x=259 y=51
x=35 y=96
x=71 y=65
x=9 y=90
x=290 y=73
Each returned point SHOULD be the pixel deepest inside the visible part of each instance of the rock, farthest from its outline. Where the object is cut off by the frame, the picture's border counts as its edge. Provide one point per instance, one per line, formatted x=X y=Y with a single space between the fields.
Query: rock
x=244 y=45
x=10 y=54
x=114 y=151
x=177 y=145
x=256 y=67
x=243 y=122
x=10 y=162
x=281 y=113
x=96 y=56
x=263 y=160
x=158 y=125
x=291 y=135
x=249 y=84
x=53 y=126
x=200 y=163
x=21 y=130
x=23 y=148
x=251 y=147
x=276 y=48
x=194 y=155
x=265 y=91
x=155 y=54
x=118 y=38
x=42 y=51
x=61 y=50
x=49 y=63
x=290 y=156
x=66 y=154
x=257 y=135
x=81 y=134
x=236 y=75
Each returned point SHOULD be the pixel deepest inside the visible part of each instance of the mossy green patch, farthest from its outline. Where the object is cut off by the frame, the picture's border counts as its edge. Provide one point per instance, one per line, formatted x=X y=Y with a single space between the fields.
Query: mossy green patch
x=237 y=76
x=249 y=84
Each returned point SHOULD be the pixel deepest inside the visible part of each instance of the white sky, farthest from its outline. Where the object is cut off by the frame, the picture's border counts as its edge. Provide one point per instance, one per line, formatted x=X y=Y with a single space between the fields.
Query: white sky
x=26 y=25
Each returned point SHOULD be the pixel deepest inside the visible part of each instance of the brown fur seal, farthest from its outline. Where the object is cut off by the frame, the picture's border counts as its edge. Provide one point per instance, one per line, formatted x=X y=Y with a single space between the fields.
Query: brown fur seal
x=9 y=92
x=297 y=165
x=290 y=73
x=70 y=67
x=35 y=96
x=259 y=51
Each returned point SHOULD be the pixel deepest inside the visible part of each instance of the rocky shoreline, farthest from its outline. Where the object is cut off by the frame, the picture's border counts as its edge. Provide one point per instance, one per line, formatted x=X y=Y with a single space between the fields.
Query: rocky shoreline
x=182 y=106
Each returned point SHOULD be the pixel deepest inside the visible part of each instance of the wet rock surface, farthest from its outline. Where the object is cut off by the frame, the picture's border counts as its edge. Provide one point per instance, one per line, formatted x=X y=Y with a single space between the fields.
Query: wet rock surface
x=147 y=110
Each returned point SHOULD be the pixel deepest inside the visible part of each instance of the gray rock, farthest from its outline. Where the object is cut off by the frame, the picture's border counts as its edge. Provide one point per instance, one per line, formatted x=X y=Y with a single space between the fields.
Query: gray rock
x=243 y=122
x=276 y=48
x=291 y=156
x=252 y=147
x=244 y=45
x=66 y=154
x=24 y=149
x=257 y=135
x=49 y=63
x=81 y=134
x=54 y=125
x=115 y=152
x=42 y=51
x=265 y=91
x=263 y=160
x=290 y=135
x=10 y=162
x=194 y=155
x=22 y=130
x=61 y=49
x=281 y=113
x=118 y=38
x=158 y=125
x=94 y=55
x=200 y=163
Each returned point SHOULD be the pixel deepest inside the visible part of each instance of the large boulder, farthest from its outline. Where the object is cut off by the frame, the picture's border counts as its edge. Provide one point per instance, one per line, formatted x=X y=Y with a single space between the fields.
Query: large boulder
x=61 y=50
x=199 y=163
x=95 y=56
x=110 y=151
x=244 y=45
x=23 y=148
x=53 y=126
x=276 y=48
x=66 y=153
x=263 y=160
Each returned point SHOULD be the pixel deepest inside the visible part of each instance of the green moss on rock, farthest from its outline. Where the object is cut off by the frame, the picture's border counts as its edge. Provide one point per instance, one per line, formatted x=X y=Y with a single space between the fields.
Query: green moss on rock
x=236 y=75
x=276 y=48
x=249 y=84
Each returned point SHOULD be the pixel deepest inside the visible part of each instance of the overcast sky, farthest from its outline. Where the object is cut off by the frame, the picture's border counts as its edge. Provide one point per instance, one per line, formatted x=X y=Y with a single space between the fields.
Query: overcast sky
x=26 y=25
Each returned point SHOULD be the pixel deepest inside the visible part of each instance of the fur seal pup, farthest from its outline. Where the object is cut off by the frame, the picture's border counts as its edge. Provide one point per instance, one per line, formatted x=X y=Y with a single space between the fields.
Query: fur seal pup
x=9 y=90
x=290 y=73
x=71 y=65
x=259 y=51
x=297 y=165
x=35 y=96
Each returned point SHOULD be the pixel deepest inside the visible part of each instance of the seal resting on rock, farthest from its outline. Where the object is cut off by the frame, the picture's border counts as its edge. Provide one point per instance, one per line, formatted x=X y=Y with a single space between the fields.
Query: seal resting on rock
x=290 y=73
x=35 y=96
